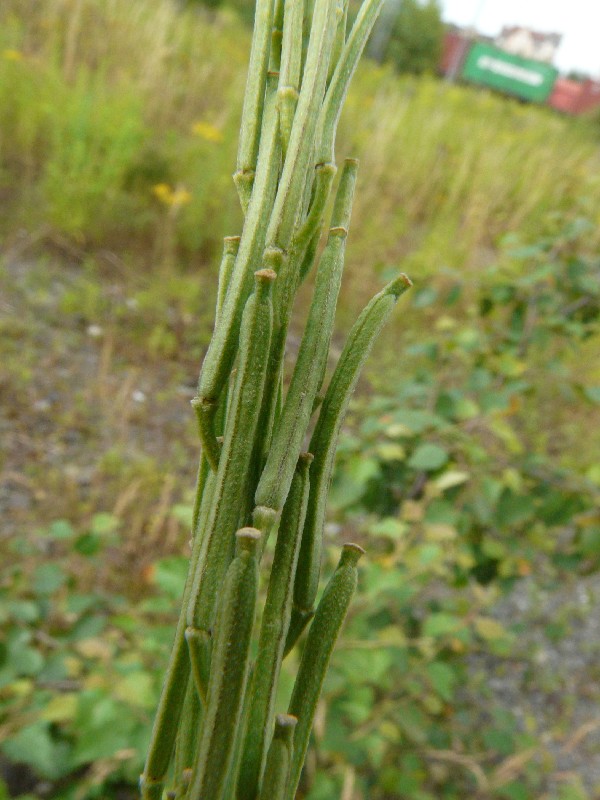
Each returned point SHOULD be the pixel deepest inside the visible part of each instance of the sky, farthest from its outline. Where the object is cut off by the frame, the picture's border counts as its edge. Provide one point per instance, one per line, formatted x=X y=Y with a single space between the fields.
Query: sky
x=577 y=20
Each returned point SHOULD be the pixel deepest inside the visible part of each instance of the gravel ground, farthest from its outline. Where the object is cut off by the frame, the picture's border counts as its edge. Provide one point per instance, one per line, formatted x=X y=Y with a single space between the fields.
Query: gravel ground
x=552 y=680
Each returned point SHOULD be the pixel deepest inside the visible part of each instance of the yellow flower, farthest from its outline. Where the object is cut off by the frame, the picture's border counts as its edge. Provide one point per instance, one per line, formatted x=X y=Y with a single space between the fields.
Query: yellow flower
x=175 y=198
x=12 y=55
x=207 y=131
x=180 y=197
x=162 y=191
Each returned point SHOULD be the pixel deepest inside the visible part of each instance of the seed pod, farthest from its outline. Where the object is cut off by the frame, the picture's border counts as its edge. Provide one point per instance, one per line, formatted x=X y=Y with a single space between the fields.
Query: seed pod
x=324 y=175
x=320 y=642
x=338 y=86
x=299 y=619
x=276 y=37
x=224 y=343
x=206 y=410
x=187 y=738
x=199 y=646
x=341 y=13
x=324 y=439
x=149 y=789
x=231 y=245
x=178 y=670
x=231 y=483
x=254 y=96
x=309 y=370
x=279 y=759
x=293 y=176
x=229 y=670
x=273 y=632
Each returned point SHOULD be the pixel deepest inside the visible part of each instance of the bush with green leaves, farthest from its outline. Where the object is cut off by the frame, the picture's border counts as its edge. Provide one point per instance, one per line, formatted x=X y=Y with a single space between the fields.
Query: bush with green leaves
x=460 y=493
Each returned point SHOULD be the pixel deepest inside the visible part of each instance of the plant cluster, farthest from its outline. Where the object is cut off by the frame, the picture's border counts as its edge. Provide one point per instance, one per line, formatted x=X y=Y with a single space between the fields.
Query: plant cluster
x=216 y=733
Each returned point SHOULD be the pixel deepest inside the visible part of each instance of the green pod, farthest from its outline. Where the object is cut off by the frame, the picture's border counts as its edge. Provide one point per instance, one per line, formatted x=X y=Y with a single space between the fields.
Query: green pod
x=341 y=12
x=320 y=642
x=223 y=346
x=302 y=137
x=324 y=175
x=338 y=87
x=299 y=619
x=229 y=670
x=254 y=97
x=172 y=696
x=287 y=98
x=231 y=246
x=324 y=439
x=309 y=257
x=232 y=477
x=291 y=50
x=273 y=633
x=187 y=739
x=289 y=75
x=199 y=646
x=276 y=37
x=311 y=362
x=206 y=411
x=279 y=759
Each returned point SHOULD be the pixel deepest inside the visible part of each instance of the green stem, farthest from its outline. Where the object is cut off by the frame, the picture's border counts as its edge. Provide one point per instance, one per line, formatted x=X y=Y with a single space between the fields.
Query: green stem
x=317 y=652
x=273 y=633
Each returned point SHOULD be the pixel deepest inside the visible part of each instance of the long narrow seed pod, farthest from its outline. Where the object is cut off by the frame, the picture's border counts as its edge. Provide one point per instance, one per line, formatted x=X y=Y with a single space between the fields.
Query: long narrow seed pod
x=172 y=696
x=325 y=436
x=299 y=619
x=273 y=633
x=252 y=111
x=289 y=75
x=293 y=176
x=229 y=670
x=279 y=759
x=341 y=12
x=312 y=357
x=276 y=37
x=224 y=343
x=322 y=636
x=340 y=81
x=187 y=739
x=324 y=175
x=236 y=457
x=231 y=245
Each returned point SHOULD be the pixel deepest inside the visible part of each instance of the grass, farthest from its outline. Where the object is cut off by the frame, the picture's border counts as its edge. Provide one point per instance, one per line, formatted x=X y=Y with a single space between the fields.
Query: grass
x=119 y=123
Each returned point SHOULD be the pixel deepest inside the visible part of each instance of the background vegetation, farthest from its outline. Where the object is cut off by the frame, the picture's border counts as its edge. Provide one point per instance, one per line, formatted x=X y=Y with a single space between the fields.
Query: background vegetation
x=469 y=467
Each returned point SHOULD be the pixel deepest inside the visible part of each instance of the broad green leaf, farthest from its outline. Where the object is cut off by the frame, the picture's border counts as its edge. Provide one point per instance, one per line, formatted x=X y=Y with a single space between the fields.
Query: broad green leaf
x=443 y=679
x=389 y=527
x=441 y=624
x=47 y=578
x=450 y=479
x=169 y=575
x=35 y=746
x=428 y=457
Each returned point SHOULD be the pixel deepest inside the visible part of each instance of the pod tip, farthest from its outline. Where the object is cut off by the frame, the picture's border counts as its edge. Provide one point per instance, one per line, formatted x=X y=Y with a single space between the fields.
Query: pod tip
x=265 y=275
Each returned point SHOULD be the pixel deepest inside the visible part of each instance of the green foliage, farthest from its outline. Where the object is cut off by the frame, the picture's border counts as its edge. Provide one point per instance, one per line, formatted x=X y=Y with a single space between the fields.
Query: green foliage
x=456 y=504
x=413 y=40
x=74 y=693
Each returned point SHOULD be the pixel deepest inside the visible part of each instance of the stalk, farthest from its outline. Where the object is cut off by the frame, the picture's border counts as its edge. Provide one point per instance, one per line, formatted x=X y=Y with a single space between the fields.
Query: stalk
x=324 y=441
x=273 y=632
x=317 y=653
x=217 y=734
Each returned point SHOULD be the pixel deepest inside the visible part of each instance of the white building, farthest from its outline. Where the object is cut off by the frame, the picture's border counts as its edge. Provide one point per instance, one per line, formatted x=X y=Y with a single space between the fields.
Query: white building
x=529 y=44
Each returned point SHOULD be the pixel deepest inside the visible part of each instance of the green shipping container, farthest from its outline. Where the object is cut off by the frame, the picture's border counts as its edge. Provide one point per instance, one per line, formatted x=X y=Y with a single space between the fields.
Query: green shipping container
x=521 y=77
